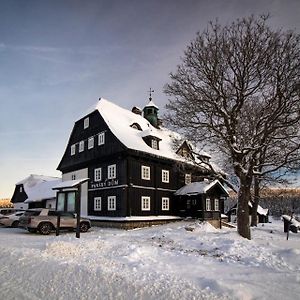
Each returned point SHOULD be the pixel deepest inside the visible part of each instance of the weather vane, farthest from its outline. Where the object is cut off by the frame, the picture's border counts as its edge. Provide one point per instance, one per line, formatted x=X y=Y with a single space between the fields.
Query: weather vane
x=150 y=92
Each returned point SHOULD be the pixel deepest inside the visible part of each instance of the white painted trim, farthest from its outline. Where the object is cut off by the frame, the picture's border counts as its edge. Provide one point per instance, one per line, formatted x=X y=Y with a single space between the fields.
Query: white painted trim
x=133 y=218
x=167 y=190
x=143 y=187
x=109 y=187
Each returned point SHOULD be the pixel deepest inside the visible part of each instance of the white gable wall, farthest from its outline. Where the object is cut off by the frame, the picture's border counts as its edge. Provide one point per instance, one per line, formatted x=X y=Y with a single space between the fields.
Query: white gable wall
x=80 y=174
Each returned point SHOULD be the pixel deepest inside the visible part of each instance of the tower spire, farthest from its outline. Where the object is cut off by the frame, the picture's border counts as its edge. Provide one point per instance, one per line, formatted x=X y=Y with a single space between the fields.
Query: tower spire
x=150 y=93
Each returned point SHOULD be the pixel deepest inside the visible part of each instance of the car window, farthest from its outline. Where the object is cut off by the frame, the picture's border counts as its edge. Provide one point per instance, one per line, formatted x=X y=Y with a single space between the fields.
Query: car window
x=32 y=213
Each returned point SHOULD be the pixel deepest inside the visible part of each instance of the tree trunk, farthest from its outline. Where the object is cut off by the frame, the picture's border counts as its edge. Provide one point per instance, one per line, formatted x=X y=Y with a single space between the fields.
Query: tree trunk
x=244 y=197
x=255 y=202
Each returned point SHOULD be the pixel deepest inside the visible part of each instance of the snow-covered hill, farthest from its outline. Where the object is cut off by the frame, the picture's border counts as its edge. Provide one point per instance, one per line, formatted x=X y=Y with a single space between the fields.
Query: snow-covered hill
x=162 y=262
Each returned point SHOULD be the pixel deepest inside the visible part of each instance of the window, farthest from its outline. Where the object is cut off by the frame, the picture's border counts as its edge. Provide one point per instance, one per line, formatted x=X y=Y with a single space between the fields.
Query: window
x=73 y=176
x=165 y=201
x=97 y=203
x=101 y=138
x=165 y=176
x=145 y=203
x=111 y=203
x=154 y=144
x=81 y=146
x=145 y=173
x=188 y=178
x=60 y=201
x=217 y=206
x=86 y=123
x=21 y=189
x=73 y=149
x=97 y=174
x=208 y=204
x=111 y=172
x=91 y=142
x=71 y=201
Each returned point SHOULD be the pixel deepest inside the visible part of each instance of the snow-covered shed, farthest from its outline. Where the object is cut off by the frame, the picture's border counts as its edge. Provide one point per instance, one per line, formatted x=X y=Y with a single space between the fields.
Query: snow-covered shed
x=203 y=200
x=35 y=191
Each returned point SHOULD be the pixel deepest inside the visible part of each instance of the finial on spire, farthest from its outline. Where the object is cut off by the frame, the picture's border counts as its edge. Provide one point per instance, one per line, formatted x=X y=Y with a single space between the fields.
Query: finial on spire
x=150 y=93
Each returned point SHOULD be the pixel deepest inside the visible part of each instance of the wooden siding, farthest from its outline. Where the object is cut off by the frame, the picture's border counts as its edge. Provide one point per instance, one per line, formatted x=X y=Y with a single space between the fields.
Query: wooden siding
x=80 y=159
x=19 y=196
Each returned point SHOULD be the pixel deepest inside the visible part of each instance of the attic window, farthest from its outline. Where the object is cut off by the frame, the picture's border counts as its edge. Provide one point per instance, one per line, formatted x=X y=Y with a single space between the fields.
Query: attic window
x=21 y=189
x=86 y=123
x=154 y=144
x=73 y=149
x=136 y=126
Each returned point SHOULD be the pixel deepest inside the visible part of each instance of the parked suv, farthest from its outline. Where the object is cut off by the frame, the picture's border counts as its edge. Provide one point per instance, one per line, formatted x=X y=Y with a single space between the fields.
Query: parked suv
x=45 y=220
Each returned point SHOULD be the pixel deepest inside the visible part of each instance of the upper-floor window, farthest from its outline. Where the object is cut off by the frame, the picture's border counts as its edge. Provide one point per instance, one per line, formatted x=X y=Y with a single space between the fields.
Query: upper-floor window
x=165 y=176
x=91 y=142
x=145 y=203
x=97 y=174
x=73 y=176
x=73 y=149
x=111 y=203
x=165 y=203
x=208 y=204
x=21 y=189
x=154 y=144
x=145 y=173
x=217 y=204
x=101 y=138
x=188 y=178
x=97 y=203
x=111 y=171
x=86 y=123
x=81 y=146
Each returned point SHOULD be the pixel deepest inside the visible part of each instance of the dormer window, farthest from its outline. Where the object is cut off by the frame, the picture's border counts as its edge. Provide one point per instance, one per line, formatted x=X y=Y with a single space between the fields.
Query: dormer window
x=136 y=126
x=86 y=123
x=21 y=189
x=154 y=144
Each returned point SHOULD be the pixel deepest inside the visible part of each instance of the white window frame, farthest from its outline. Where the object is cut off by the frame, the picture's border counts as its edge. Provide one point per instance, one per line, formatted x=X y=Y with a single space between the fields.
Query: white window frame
x=208 y=204
x=21 y=189
x=86 y=123
x=97 y=203
x=154 y=144
x=165 y=203
x=73 y=149
x=188 y=178
x=165 y=176
x=91 y=142
x=98 y=174
x=101 y=138
x=145 y=203
x=112 y=171
x=81 y=146
x=111 y=203
x=146 y=172
x=217 y=204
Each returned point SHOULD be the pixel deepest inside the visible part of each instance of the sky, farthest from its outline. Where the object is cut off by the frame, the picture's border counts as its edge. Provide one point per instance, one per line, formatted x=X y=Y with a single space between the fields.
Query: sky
x=57 y=58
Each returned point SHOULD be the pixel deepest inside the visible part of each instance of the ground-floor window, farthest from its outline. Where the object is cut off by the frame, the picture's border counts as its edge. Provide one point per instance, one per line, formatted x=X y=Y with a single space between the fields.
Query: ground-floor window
x=208 y=204
x=145 y=203
x=111 y=203
x=165 y=203
x=97 y=203
x=217 y=206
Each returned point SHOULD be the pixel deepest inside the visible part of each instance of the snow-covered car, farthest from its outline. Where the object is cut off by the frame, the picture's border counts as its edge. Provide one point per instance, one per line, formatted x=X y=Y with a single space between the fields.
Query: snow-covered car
x=45 y=220
x=294 y=224
x=11 y=220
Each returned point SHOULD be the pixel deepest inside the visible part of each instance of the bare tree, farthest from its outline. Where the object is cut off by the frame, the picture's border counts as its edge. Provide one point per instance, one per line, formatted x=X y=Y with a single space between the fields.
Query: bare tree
x=236 y=88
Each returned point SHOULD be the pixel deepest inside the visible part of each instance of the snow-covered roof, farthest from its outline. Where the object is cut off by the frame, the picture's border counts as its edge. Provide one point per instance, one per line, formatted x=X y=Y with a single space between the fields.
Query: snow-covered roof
x=39 y=187
x=69 y=184
x=151 y=104
x=200 y=187
x=260 y=210
x=119 y=121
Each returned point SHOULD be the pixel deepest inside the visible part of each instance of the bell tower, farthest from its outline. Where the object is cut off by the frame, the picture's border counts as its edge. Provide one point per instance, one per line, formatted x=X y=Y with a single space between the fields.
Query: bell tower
x=150 y=111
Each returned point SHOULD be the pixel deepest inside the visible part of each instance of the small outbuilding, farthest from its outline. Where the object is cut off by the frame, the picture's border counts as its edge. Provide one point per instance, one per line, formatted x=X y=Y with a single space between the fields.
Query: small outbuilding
x=203 y=200
x=35 y=191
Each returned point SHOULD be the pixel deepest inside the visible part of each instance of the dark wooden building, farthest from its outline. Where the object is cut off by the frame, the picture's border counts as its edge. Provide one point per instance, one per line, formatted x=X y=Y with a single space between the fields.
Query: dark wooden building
x=131 y=163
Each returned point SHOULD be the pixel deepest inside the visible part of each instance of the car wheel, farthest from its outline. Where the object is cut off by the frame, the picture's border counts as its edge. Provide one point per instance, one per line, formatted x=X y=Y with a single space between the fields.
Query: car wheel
x=45 y=228
x=84 y=227
x=15 y=224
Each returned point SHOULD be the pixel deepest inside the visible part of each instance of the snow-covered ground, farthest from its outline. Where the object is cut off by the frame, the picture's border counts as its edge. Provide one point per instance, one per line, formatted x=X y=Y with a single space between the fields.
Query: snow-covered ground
x=161 y=262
